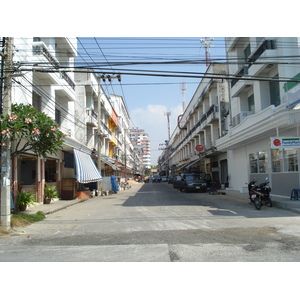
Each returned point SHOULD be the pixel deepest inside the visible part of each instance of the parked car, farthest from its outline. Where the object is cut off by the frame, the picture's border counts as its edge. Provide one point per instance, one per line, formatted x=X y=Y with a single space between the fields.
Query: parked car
x=170 y=179
x=164 y=178
x=177 y=182
x=156 y=178
x=191 y=182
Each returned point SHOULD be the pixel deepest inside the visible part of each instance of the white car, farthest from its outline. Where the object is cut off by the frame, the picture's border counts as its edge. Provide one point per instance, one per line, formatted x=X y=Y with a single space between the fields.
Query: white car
x=164 y=178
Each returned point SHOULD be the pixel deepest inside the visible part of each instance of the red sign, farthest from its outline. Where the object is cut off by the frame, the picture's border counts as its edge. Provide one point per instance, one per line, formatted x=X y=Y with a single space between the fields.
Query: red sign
x=277 y=142
x=199 y=148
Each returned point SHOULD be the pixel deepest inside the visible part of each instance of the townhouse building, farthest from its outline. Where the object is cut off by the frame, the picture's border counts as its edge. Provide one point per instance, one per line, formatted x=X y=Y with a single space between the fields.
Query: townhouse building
x=52 y=93
x=263 y=109
x=95 y=126
x=192 y=145
x=246 y=127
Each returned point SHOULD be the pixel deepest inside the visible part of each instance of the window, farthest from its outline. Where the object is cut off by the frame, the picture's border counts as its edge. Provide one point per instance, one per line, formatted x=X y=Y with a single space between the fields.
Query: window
x=58 y=117
x=258 y=162
x=284 y=160
x=290 y=160
x=36 y=101
x=274 y=92
x=253 y=163
x=251 y=106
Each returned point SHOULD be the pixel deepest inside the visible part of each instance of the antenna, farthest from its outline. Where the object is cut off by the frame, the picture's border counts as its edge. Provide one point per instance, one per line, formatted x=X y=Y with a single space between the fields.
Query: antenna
x=183 y=89
x=207 y=44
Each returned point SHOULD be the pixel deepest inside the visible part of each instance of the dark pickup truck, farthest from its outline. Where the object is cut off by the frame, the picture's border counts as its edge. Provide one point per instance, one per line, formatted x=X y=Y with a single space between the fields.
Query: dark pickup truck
x=191 y=182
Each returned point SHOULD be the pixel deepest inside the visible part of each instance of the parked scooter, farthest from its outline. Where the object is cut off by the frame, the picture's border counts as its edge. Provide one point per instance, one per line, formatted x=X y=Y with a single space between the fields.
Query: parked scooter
x=251 y=185
x=260 y=194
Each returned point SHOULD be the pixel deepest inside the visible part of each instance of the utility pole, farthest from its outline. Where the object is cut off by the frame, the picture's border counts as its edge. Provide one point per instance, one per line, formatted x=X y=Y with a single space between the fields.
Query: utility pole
x=99 y=135
x=1 y=71
x=168 y=143
x=183 y=88
x=168 y=117
x=5 y=149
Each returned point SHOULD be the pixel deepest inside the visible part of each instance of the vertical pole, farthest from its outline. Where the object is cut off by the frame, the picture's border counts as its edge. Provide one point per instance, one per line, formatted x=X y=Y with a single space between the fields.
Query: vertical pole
x=2 y=72
x=5 y=150
x=125 y=152
x=99 y=183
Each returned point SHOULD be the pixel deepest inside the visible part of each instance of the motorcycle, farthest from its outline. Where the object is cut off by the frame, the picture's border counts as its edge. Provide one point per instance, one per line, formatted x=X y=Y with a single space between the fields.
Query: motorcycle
x=260 y=194
x=251 y=185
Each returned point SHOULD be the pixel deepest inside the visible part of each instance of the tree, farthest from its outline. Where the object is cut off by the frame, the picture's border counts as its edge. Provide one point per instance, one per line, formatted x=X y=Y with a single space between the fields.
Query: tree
x=30 y=130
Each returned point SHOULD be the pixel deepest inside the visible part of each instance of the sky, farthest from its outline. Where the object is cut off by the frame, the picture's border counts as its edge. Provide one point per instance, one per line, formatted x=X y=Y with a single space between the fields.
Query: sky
x=149 y=98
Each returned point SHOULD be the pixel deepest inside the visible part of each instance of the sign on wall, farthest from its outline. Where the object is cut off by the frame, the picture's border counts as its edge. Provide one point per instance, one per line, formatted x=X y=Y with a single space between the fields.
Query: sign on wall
x=285 y=142
x=199 y=148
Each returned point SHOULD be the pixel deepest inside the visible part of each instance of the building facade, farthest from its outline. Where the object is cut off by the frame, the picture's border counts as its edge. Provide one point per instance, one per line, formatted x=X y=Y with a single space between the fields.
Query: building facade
x=262 y=109
x=192 y=146
x=246 y=125
x=96 y=142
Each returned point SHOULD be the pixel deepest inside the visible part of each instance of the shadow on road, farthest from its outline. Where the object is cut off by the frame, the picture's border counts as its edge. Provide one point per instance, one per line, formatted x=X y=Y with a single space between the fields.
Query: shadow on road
x=164 y=195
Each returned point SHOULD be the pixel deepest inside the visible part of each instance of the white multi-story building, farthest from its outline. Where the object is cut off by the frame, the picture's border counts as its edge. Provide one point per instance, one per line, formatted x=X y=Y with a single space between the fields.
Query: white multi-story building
x=72 y=99
x=263 y=105
x=140 y=140
x=51 y=92
x=193 y=143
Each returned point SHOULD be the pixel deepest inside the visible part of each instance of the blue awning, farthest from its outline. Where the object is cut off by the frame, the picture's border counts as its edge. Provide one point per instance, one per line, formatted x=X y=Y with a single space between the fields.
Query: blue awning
x=86 y=170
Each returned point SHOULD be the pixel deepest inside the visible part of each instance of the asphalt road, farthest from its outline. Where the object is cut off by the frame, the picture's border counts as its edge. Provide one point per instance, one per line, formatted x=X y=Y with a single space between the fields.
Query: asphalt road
x=153 y=222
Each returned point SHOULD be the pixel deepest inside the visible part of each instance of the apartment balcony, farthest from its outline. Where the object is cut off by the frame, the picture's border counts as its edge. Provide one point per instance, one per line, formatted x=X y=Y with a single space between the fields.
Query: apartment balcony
x=243 y=70
x=208 y=118
x=237 y=119
x=264 y=57
x=43 y=55
x=91 y=118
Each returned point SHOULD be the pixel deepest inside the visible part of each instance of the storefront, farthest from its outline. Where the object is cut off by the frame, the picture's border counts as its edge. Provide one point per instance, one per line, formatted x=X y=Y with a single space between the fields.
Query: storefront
x=277 y=161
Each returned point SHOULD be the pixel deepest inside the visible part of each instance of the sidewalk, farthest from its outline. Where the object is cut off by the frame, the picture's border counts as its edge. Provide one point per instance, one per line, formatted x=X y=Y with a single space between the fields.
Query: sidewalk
x=280 y=202
x=54 y=206
x=57 y=205
x=284 y=203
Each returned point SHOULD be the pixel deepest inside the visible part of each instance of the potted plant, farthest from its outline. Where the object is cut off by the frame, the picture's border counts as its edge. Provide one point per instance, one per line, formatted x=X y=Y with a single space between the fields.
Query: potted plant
x=50 y=193
x=24 y=199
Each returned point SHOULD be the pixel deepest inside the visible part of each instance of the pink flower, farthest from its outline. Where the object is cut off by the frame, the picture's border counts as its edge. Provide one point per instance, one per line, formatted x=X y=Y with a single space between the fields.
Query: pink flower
x=53 y=128
x=6 y=132
x=35 y=131
x=12 y=118
x=27 y=120
x=3 y=144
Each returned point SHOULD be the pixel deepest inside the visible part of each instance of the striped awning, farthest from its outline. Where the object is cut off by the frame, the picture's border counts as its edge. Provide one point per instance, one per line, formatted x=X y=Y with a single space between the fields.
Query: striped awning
x=110 y=164
x=86 y=170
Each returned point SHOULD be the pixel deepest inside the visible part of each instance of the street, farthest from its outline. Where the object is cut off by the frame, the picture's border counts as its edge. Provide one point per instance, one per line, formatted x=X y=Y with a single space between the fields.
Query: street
x=153 y=222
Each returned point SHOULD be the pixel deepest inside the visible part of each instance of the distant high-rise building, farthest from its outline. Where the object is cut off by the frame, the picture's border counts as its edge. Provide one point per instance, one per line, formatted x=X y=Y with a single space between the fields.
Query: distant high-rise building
x=140 y=140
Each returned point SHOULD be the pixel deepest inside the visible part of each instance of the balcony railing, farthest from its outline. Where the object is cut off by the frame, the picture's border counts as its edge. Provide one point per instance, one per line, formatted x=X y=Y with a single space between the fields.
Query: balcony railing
x=266 y=45
x=41 y=48
x=243 y=71
x=210 y=111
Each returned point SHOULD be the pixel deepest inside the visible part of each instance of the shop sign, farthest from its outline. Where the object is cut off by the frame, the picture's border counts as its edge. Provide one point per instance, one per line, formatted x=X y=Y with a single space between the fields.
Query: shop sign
x=199 y=148
x=285 y=142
